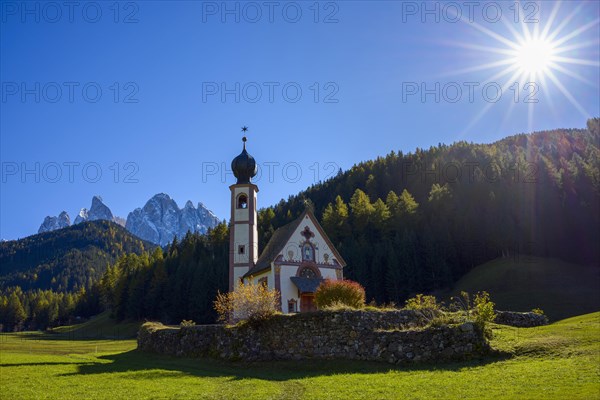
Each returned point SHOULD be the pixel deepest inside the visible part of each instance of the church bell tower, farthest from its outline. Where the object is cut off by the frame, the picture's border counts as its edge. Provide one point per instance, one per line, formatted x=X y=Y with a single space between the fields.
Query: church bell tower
x=243 y=232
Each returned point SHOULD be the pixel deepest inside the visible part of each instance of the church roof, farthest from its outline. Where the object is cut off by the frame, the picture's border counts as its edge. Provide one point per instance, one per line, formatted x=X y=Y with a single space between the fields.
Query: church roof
x=275 y=246
x=279 y=239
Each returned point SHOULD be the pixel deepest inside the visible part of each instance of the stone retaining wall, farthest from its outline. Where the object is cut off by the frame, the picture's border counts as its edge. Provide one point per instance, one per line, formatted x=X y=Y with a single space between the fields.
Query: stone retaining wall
x=520 y=319
x=395 y=337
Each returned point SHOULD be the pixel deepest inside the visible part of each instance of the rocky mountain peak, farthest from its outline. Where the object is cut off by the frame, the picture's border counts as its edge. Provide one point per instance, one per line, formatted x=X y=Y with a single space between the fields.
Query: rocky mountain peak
x=53 y=223
x=159 y=221
x=82 y=216
x=99 y=210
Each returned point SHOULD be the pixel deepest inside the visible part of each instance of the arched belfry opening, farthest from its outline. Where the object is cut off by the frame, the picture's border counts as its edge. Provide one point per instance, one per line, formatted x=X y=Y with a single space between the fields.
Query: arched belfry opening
x=242 y=201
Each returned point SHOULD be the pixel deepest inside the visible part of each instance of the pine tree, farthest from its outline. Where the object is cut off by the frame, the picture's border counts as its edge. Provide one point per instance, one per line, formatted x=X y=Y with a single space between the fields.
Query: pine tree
x=381 y=214
x=265 y=226
x=15 y=312
x=407 y=204
x=335 y=220
x=362 y=209
x=439 y=194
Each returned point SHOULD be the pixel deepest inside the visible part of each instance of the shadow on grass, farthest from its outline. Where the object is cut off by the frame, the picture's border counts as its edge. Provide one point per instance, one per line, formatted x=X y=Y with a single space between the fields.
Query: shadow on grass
x=137 y=361
x=42 y=364
x=73 y=335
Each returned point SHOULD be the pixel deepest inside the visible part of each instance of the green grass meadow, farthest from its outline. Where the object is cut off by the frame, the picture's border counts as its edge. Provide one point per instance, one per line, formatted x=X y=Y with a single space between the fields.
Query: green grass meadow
x=559 y=361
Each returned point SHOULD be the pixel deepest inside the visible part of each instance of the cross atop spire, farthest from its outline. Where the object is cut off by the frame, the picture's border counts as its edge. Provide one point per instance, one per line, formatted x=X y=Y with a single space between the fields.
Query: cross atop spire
x=244 y=139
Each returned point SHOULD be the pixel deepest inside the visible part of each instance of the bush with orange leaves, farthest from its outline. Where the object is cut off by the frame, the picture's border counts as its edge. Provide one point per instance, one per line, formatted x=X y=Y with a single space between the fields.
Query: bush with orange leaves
x=340 y=293
x=248 y=301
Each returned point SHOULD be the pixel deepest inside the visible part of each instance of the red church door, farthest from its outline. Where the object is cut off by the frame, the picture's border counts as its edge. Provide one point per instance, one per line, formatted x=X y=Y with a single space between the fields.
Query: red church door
x=307 y=303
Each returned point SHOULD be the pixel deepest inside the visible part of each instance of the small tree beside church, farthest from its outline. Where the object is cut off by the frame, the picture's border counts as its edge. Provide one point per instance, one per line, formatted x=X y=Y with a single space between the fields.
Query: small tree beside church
x=248 y=301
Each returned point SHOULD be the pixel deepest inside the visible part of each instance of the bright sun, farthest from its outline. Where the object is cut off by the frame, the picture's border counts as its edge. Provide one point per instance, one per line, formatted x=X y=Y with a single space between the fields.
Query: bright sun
x=534 y=56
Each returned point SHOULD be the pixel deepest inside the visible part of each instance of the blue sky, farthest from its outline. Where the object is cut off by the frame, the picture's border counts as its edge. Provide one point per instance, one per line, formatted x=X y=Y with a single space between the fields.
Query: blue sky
x=162 y=124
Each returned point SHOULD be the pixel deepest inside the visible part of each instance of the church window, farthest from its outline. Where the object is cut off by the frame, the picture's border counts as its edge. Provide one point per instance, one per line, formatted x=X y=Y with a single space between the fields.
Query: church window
x=241 y=249
x=308 y=273
x=292 y=306
x=242 y=201
x=308 y=253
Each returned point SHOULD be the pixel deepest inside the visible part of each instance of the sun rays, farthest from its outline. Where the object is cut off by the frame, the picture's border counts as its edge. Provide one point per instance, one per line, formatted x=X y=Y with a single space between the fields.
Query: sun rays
x=534 y=56
x=543 y=55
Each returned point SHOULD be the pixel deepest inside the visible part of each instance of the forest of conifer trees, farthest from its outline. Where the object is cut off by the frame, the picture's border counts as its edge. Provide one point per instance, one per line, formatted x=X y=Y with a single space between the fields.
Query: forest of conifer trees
x=405 y=224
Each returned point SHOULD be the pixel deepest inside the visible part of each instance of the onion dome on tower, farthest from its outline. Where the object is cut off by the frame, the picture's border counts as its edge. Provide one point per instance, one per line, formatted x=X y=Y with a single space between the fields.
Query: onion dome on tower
x=244 y=166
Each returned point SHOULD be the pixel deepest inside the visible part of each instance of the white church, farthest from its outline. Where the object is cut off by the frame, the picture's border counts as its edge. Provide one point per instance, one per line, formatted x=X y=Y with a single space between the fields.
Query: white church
x=296 y=260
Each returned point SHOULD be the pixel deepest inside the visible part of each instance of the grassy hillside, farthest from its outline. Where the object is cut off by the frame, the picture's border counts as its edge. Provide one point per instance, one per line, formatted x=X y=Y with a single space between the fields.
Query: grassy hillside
x=560 y=289
x=66 y=259
x=99 y=327
x=559 y=361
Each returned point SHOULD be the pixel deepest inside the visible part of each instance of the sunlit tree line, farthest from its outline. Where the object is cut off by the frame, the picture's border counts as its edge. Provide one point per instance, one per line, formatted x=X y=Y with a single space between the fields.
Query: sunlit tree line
x=417 y=222
x=405 y=224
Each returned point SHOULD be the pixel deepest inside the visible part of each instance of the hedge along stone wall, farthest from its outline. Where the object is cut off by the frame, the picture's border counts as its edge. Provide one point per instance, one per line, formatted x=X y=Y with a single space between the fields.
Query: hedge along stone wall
x=395 y=337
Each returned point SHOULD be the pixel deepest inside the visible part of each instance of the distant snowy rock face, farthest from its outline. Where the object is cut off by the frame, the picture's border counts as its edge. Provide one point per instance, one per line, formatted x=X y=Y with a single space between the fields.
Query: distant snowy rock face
x=53 y=223
x=160 y=220
x=63 y=219
x=97 y=211
x=81 y=217
x=120 y=220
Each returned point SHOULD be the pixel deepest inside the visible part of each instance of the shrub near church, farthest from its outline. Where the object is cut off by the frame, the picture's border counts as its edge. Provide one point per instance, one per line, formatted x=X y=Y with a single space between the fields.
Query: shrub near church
x=340 y=293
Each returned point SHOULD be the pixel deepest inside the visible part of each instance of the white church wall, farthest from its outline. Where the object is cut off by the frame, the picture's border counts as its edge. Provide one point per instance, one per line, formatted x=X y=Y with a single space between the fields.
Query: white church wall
x=255 y=244
x=241 y=235
x=267 y=274
x=328 y=273
x=289 y=291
